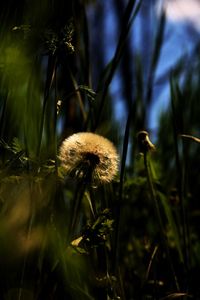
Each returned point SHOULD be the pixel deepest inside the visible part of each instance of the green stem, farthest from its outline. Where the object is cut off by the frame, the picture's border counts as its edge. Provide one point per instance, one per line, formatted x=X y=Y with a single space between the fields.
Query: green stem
x=50 y=78
x=79 y=193
x=152 y=191
x=161 y=226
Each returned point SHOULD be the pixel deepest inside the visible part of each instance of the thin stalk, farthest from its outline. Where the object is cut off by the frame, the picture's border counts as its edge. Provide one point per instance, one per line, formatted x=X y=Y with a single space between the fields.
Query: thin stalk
x=158 y=215
x=79 y=98
x=122 y=291
x=152 y=192
x=92 y=203
x=180 y=183
x=86 y=59
x=150 y=262
x=3 y=117
x=116 y=254
x=85 y=184
x=79 y=193
x=129 y=16
x=155 y=58
x=50 y=78
x=55 y=124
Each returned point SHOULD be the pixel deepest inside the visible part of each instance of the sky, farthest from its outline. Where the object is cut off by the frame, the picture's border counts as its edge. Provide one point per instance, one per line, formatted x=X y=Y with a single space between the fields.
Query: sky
x=182 y=31
x=185 y=11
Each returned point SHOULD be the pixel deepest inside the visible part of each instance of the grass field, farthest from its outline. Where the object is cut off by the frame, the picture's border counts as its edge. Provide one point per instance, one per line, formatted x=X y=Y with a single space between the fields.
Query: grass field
x=88 y=209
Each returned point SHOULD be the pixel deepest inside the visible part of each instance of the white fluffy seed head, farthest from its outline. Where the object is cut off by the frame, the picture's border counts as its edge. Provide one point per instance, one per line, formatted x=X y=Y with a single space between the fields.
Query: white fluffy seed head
x=88 y=154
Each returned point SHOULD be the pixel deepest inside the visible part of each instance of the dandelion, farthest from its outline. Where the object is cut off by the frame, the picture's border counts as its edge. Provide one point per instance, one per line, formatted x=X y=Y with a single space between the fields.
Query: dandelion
x=89 y=157
x=144 y=142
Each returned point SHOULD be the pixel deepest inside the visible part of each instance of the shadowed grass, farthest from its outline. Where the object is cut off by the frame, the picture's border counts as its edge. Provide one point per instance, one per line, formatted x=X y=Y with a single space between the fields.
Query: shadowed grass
x=137 y=238
x=129 y=16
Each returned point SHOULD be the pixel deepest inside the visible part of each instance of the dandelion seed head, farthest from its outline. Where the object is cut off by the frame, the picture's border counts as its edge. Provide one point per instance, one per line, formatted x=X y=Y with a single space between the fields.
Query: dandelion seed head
x=87 y=153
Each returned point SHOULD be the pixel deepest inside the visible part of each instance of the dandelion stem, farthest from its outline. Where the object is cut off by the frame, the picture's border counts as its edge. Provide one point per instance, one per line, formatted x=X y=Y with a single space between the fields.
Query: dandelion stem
x=80 y=190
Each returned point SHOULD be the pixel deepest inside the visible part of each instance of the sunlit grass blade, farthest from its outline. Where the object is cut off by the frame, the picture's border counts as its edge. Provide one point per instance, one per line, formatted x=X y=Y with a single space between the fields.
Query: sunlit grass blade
x=190 y=137
x=177 y=295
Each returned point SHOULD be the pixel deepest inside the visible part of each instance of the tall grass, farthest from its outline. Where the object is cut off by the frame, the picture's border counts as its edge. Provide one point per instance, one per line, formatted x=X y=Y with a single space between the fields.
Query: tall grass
x=63 y=237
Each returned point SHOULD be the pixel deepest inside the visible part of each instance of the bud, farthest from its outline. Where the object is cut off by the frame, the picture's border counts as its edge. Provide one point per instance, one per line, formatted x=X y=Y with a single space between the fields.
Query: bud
x=144 y=143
